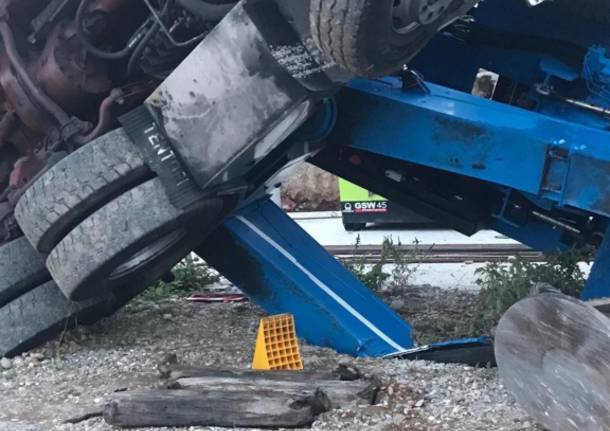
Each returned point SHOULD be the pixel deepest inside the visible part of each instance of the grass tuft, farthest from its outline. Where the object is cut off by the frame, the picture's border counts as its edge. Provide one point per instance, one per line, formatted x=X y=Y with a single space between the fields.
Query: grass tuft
x=191 y=275
x=503 y=285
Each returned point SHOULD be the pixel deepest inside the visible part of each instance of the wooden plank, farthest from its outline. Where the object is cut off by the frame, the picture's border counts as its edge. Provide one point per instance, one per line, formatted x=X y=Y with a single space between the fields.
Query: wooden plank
x=183 y=408
x=241 y=398
x=342 y=373
x=340 y=393
x=553 y=355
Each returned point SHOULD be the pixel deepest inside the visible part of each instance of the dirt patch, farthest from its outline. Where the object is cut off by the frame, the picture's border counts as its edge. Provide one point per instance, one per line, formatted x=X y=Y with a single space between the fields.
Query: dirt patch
x=79 y=371
x=435 y=314
x=311 y=189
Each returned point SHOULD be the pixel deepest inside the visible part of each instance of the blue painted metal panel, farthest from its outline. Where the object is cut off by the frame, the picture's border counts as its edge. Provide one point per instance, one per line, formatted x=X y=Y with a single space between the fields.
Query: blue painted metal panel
x=509 y=38
x=598 y=284
x=269 y=257
x=456 y=132
x=471 y=351
x=461 y=342
x=537 y=235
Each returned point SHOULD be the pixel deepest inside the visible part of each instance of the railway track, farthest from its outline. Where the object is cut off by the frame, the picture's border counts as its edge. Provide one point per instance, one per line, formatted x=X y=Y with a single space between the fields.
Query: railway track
x=446 y=253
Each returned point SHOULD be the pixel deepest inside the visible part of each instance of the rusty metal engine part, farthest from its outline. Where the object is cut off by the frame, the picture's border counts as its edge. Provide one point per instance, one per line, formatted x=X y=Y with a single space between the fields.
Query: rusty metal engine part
x=68 y=68
x=165 y=46
x=30 y=88
x=67 y=74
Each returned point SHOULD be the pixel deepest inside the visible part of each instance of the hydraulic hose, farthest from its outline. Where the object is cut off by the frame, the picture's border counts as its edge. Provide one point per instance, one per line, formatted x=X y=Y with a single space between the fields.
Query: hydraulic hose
x=104 y=121
x=136 y=55
x=106 y=55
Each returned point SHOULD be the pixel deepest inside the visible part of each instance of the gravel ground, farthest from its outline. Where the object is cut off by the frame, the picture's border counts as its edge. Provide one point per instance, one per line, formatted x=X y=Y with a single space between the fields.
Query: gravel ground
x=435 y=314
x=76 y=373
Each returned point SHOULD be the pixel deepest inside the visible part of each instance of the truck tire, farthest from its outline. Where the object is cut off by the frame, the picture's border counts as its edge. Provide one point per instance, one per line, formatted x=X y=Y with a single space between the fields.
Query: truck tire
x=77 y=186
x=354 y=227
x=42 y=313
x=138 y=233
x=370 y=38
x=32 y=308
x=21 y=269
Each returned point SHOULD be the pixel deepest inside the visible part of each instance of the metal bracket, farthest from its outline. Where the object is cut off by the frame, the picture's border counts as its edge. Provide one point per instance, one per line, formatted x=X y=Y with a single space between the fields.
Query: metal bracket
x=555 y=172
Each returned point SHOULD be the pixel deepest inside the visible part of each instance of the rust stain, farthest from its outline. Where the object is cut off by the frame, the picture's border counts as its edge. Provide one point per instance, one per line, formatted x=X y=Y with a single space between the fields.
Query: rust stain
x=449 y=129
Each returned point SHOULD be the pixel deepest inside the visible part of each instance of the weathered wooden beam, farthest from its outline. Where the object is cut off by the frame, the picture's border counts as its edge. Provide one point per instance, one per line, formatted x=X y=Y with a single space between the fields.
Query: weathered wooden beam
x=340 y=393
x=236 y=398
x=246 y=408
x=342 y=373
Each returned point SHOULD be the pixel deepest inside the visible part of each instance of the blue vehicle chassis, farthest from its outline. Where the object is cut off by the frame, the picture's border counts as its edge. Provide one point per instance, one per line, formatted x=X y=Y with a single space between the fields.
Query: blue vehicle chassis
x=531 y=161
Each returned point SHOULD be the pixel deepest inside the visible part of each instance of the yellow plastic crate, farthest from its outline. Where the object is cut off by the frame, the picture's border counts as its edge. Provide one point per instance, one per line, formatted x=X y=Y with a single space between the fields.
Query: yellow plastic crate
x=277 y=347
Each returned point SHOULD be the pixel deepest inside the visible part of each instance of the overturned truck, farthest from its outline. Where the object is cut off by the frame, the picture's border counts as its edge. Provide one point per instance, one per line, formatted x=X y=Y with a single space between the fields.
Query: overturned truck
x=134 y=132
x=85 y=222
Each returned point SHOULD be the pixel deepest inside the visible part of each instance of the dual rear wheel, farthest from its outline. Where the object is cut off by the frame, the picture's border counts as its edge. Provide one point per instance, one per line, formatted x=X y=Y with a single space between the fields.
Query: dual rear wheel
x=98 y=229
x=377 y=37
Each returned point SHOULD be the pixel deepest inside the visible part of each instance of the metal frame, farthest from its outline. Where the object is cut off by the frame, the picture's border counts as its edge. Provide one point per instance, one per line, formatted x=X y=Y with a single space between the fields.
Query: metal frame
x=451 y=131
x=550 y=163
x=540 y=175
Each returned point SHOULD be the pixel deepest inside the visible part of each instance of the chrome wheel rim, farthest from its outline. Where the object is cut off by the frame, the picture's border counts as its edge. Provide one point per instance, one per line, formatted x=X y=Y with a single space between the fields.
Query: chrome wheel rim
x=409 y=14
x=147 y=254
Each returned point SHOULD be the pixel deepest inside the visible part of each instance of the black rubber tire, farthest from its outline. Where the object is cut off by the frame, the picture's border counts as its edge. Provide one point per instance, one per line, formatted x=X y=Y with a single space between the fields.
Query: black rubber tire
x=359 y=35
x=42 y=313
x=33 y=309
x=21 y=269
x=354 y=227
x=85 y=262
x=77 y=186
x=595 y=10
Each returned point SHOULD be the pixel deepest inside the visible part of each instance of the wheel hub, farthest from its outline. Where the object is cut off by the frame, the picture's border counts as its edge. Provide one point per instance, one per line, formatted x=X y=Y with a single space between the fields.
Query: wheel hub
x=407 y=14
x=147 y=254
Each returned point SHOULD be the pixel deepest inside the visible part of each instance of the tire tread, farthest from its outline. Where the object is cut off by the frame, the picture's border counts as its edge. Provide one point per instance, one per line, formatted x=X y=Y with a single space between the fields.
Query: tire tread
x=77 y=186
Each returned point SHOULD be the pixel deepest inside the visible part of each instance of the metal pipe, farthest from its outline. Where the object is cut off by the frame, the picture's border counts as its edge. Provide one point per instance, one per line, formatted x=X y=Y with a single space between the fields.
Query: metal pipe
x=555 y=222
x=588 y=106
x=139 y=50
x=106 y=55
x=34 y=91
x=546 y=90
x=104 y=119
x=167 y=32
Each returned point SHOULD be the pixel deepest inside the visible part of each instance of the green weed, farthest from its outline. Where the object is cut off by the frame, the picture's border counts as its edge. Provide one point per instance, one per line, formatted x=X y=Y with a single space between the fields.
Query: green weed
x=503 y=285
x=404 y=265
x=190 y=275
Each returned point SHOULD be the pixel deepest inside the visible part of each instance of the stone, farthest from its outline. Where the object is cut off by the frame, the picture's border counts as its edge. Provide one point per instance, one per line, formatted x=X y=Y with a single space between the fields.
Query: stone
x=397 y=304
x=6 y=363
x=311 y=189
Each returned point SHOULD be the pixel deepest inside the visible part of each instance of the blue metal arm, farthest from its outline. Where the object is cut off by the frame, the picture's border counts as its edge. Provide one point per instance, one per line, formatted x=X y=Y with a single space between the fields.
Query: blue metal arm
x=269 y=257
x=452 y=131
